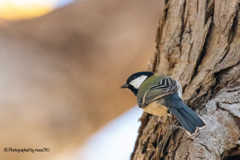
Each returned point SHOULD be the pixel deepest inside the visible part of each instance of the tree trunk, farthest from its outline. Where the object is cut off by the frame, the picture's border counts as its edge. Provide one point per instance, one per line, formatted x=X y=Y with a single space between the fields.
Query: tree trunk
x=198 y=44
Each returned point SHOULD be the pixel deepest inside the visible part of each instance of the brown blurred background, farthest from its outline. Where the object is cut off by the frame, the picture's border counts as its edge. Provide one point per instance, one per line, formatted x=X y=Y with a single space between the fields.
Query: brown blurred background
x=61 y=73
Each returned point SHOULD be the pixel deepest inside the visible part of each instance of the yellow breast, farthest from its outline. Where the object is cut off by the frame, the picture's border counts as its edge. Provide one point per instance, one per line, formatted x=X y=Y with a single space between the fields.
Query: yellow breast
x=156 y=109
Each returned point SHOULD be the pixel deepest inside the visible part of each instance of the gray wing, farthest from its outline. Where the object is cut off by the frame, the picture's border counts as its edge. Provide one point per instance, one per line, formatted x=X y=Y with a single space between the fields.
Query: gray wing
x=164 y=87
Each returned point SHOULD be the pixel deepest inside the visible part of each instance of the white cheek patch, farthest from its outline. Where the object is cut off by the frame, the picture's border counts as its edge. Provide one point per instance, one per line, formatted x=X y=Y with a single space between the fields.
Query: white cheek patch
x=136 y=83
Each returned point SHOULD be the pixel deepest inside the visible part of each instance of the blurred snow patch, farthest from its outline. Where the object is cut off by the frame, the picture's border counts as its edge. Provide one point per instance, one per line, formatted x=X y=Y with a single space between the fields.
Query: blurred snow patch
x=115 y=141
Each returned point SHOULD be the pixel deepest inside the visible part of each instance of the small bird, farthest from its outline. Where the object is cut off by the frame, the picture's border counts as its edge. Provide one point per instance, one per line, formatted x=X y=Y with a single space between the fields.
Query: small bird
x=159 y=94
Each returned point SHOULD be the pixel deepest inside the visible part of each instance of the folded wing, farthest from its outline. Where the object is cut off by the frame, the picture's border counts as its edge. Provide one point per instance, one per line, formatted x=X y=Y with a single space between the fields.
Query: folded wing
x=163 y=87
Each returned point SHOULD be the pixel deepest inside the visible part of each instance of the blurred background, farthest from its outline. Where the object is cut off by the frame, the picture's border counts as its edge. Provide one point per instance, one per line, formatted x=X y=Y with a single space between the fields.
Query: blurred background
x=62 y=63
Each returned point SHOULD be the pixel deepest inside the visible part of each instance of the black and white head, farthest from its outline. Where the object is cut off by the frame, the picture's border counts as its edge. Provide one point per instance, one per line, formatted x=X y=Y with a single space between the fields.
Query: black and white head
x=135 y=80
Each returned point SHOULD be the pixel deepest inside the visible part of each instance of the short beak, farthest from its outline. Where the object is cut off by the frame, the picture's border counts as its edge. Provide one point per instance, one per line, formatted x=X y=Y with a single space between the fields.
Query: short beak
x=125 y=86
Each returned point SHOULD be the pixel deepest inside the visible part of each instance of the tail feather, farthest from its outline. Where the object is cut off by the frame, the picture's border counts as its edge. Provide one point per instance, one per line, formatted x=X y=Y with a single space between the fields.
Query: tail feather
x=188 y=118
x=196 y=119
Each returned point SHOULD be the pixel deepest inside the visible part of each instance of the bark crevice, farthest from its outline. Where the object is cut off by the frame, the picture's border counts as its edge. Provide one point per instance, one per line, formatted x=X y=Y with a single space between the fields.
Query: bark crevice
x=203 y=50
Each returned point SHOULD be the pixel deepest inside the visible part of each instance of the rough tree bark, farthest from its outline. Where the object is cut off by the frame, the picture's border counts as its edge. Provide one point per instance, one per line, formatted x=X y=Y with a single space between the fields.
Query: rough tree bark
x=198 y=44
